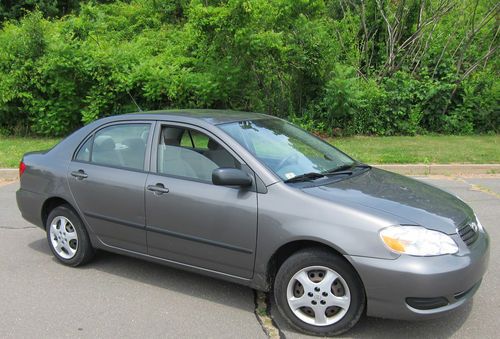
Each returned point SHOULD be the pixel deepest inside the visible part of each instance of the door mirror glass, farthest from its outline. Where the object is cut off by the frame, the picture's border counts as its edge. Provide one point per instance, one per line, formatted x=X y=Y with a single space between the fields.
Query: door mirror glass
x=231 y=177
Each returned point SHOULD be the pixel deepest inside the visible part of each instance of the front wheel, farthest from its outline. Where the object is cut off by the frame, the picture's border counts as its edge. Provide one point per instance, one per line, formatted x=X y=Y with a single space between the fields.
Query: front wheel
x=319 y=293
x=67 y=237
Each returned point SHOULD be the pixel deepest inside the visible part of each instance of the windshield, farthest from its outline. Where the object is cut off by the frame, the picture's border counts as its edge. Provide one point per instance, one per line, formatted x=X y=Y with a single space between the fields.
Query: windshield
x=285 y=149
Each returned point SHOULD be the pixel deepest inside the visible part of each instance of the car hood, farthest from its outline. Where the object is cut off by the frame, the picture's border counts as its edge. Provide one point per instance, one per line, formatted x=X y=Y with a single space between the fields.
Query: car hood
x=412 y=201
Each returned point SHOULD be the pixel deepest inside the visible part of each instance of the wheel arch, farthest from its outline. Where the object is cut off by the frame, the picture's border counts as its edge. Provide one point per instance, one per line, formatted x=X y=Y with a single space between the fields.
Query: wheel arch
x=51 y=203
x=291 y=247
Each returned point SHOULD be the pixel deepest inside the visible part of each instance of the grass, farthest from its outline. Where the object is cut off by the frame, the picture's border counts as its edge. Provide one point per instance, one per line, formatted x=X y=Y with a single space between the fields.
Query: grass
x=13 y=148
x=438 y=149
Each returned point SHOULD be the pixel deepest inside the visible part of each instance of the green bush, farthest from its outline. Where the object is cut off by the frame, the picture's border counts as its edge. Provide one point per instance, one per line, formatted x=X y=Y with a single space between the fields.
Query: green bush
x=323 y=64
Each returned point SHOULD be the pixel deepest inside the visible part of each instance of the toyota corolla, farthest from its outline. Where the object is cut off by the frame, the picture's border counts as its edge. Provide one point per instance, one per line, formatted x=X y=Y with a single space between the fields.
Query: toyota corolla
x=253 y=199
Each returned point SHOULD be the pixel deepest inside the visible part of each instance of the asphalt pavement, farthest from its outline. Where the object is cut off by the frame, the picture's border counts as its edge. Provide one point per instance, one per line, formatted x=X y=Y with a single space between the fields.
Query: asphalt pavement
x=116 y=296
x=111 y=297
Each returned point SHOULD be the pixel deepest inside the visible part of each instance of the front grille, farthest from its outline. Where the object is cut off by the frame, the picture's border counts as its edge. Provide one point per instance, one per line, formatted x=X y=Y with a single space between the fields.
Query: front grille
x=468 y=232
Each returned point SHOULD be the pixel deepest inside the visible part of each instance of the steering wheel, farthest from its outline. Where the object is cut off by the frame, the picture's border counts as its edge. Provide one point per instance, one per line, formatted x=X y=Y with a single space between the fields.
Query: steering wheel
x=286 y=160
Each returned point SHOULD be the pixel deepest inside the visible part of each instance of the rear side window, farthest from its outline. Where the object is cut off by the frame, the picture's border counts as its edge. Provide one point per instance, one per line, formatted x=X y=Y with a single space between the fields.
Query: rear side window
x=121 y=145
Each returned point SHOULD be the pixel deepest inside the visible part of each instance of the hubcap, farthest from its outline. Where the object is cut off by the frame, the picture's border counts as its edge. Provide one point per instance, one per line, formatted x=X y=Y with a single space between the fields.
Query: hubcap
x=318 y=296
x=63 y=237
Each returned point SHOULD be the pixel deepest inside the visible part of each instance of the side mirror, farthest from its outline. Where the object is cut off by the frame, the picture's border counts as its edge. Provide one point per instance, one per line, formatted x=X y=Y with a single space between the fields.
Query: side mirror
x=231 y=177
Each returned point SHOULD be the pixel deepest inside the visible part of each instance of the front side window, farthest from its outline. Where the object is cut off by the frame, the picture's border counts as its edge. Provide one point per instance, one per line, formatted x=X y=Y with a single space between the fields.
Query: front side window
x=188 y=153
x=122 y=145
x=286 y=149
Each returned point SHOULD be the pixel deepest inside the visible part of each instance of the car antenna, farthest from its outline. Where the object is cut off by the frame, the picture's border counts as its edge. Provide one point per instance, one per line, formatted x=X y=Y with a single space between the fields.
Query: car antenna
x=131 y=97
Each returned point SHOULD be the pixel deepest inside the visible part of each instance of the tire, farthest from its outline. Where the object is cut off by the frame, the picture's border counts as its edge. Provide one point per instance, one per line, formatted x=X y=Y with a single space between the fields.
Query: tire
x=329 y=301
x=67 y=237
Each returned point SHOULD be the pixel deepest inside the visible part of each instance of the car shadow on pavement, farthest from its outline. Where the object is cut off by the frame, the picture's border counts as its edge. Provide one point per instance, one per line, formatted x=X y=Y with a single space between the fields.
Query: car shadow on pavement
x=176 y=280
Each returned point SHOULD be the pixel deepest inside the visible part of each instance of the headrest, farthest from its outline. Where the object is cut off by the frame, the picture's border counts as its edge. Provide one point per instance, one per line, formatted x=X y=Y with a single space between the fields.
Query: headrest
x=171 y=135
x=134 y=143
x=104 y=143
x=213 y=145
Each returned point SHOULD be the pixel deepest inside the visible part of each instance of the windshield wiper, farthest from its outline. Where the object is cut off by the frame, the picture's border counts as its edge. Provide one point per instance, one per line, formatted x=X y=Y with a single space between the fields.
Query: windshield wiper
x=361 y=165
x=345 y=169
x=342 y=169
x=305 y=177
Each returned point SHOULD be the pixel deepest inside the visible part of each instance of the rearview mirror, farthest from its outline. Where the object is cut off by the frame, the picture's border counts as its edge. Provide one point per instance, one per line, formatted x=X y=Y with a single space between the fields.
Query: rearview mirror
x=231 y=177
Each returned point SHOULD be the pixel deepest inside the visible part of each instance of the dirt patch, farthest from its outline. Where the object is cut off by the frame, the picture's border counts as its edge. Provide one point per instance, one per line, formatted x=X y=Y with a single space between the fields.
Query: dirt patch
x=458 y=177
x=483 y=189
x=4 y=182
x=263 y=314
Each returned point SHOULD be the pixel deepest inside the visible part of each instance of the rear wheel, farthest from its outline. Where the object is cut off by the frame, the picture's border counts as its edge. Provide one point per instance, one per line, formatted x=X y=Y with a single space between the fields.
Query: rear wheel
x=68 y=239
x=319 y=293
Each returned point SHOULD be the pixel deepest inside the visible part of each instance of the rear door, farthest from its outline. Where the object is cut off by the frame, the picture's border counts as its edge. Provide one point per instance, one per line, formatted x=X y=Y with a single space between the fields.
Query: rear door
x=107 y=178
x=190 y=220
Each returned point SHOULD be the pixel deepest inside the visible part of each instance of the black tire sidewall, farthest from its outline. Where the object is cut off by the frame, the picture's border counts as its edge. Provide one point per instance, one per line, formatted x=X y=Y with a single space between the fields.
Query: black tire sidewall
x=84 y=249
x=309 y=258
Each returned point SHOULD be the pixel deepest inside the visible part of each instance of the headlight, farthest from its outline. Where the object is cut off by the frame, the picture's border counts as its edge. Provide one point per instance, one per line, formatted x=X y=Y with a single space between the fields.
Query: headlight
x=416 y=240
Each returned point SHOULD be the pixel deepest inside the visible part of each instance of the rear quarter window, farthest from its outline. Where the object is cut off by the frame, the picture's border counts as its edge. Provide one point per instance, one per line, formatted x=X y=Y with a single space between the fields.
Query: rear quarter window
x=84 y=152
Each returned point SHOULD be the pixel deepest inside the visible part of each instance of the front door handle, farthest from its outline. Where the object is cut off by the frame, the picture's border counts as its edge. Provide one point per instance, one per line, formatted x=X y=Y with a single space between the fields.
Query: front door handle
x=158 y=188
x=80 y=174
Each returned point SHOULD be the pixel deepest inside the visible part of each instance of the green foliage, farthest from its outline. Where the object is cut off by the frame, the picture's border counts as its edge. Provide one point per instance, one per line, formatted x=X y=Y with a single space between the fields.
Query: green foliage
x=342 y=98
x=326 y=65
x=16 y=9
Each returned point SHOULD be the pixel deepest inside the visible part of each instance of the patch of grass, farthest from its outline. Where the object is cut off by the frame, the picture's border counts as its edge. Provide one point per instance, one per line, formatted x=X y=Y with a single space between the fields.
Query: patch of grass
x=13 y=148
x=439 y=149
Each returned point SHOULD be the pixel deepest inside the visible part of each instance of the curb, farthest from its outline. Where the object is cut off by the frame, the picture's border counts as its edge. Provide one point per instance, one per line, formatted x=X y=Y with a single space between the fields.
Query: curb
x=441 y=169
x=9 y=174
x=406 y=169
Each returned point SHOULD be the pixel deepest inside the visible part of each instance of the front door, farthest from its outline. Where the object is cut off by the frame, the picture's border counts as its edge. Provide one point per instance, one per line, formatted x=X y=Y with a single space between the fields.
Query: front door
x=190 y=220
x=107 y=179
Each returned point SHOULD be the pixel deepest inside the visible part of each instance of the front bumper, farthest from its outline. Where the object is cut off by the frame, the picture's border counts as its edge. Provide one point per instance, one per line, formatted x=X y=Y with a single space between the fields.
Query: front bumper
x=389 y=283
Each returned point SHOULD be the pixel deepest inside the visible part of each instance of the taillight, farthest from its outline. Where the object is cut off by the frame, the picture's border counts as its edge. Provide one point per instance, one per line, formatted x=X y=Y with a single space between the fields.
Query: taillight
x=22 y=168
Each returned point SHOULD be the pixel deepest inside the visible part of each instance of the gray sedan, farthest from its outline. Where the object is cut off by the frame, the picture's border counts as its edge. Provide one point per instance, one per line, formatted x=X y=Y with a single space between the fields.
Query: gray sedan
x=253 y=199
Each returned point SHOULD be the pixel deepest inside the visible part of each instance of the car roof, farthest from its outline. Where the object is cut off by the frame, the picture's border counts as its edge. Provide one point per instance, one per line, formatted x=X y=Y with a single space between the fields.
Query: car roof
x=212 y=116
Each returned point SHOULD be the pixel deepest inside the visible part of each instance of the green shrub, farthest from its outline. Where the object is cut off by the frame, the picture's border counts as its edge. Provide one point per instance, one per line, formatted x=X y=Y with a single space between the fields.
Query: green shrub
x=324 y=64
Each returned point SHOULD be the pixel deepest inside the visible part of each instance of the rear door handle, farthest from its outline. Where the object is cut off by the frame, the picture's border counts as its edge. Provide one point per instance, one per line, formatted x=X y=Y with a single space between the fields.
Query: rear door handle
x=158 y=188
x=80 y=174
